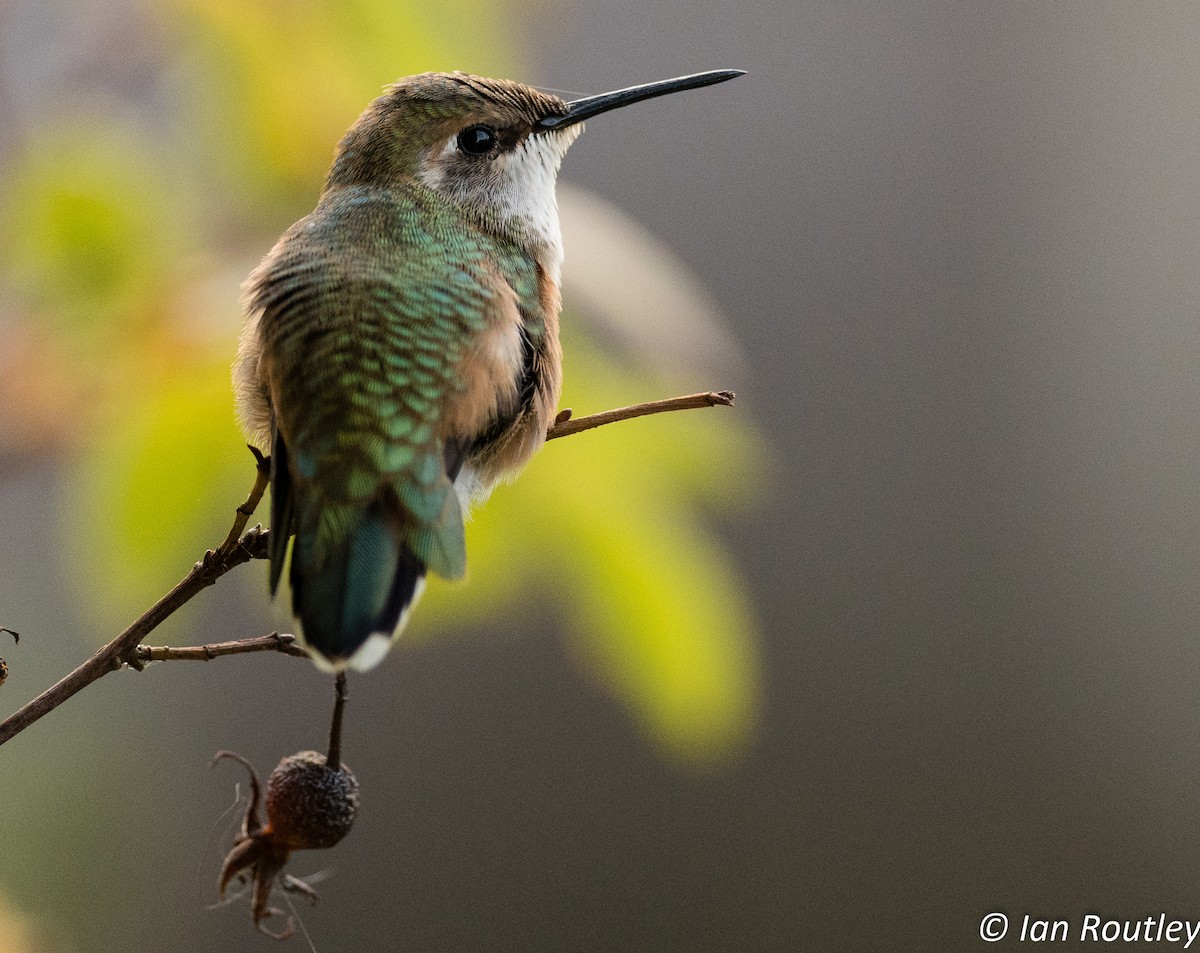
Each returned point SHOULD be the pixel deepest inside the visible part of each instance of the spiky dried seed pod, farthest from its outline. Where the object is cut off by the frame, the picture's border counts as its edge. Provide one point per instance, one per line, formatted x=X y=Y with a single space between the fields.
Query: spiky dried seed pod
x=309 y=804
x=3 y=664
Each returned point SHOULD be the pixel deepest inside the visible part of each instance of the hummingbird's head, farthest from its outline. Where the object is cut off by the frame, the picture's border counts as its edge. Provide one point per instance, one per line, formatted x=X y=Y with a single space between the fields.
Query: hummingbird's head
x=476 y=141
x=493 y=146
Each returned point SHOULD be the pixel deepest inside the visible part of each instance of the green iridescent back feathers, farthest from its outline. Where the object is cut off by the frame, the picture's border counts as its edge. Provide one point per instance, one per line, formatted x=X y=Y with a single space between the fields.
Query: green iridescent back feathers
x=368 y=306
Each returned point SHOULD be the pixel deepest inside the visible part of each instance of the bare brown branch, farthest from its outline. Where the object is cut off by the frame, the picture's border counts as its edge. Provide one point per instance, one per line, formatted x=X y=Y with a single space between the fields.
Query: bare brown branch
x=242 y=514
x=564 y=425
x=122 y=649
x=275 y=642
x=241 y=546
x=334 y=758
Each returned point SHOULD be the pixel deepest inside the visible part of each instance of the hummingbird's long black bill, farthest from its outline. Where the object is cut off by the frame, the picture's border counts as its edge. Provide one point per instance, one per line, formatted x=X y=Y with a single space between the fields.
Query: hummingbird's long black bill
x=582 y=109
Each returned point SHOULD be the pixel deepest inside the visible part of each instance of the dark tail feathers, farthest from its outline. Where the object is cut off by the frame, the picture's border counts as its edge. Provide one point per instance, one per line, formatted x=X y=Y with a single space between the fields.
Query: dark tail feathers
x=359 y=590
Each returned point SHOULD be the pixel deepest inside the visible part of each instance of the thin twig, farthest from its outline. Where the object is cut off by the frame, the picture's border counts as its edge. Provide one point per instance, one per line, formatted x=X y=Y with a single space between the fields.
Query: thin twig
x=565 y=426
x=262 y=467
x=122 y=649
x=240 y=547
x=334 y=758
x=275 y=642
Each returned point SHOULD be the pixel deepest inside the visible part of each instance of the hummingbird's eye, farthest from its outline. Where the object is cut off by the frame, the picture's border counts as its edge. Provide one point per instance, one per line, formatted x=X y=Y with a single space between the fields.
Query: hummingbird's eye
x=477 y=140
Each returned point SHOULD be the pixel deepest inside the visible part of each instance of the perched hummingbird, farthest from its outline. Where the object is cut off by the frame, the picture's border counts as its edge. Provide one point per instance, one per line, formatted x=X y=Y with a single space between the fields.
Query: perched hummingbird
x=401 y=354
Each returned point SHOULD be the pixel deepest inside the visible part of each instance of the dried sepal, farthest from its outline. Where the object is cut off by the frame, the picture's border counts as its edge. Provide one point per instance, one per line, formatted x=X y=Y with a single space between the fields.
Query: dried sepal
x=309 y=806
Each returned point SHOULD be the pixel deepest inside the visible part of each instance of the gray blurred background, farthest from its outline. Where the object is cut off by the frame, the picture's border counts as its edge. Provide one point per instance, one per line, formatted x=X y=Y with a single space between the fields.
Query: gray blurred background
x=957 y=243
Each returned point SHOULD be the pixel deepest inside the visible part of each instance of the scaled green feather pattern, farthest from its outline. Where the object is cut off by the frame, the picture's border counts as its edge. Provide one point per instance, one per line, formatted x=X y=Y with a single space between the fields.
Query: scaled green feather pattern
x=368 y=307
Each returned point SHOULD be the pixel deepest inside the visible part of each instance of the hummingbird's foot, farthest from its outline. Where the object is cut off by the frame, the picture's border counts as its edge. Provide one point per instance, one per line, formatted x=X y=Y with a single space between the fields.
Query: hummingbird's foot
x=262 y=476
x=261 y=461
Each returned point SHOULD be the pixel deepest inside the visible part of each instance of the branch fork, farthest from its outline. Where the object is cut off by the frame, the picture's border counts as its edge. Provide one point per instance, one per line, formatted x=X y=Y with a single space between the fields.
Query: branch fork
x=242 y=545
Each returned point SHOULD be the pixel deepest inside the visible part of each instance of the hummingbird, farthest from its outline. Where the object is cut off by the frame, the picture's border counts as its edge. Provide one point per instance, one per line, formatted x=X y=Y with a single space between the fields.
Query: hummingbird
x=400 y=354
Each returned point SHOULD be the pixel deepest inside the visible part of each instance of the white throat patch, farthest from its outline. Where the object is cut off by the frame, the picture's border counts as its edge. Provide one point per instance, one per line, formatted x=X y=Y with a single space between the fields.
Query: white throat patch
x=517 y=185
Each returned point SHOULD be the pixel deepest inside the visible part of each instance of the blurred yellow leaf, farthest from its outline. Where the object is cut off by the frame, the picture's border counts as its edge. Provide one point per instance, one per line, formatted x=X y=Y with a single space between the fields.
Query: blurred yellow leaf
x=92 y=236
x=17 y=934
x=157 y=483
x=602 y=526
x=657 y=607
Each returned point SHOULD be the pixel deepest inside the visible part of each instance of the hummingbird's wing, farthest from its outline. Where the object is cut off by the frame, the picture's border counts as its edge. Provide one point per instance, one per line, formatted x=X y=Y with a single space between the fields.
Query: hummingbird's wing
x=392 y=336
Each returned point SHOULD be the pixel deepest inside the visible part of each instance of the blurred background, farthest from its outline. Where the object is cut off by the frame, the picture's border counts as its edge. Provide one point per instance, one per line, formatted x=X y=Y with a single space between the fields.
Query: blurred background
x=906 y=637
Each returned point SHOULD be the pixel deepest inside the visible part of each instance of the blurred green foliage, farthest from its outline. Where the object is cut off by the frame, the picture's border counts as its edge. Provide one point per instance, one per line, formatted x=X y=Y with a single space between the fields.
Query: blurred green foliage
x=97 y=234
x=280 y=81
x=128 y=243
